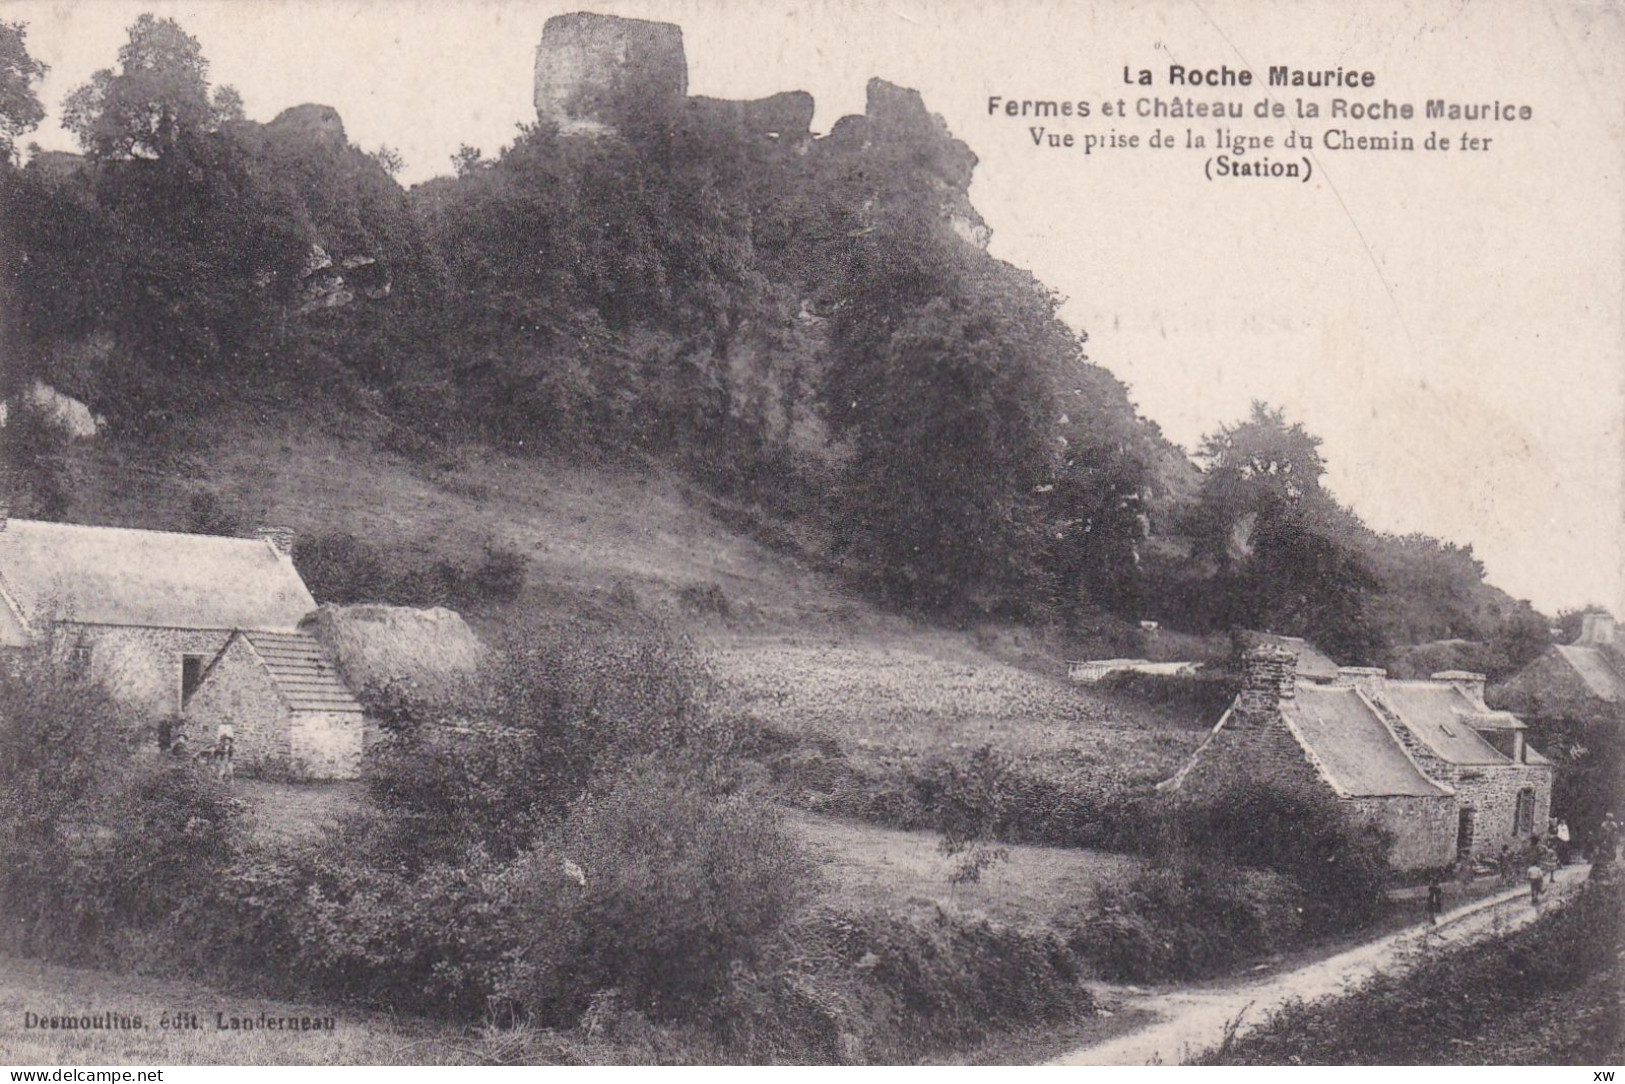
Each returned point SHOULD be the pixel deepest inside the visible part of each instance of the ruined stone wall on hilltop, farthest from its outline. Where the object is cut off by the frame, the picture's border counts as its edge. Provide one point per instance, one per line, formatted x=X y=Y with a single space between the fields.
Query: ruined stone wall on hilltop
x=605 y=76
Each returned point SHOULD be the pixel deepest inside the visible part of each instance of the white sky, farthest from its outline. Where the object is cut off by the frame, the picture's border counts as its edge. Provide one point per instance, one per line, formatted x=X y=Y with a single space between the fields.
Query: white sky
x=1451 y=325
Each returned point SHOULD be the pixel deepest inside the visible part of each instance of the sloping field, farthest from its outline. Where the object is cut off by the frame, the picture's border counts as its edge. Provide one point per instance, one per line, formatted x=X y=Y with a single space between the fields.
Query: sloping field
x=630 y=532
x=866 y=867
x=929 y=694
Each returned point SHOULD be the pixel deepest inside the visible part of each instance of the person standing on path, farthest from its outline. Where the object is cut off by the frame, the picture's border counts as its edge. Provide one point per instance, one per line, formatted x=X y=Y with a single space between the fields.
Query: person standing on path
x=1435 y=901
x=1537 y=882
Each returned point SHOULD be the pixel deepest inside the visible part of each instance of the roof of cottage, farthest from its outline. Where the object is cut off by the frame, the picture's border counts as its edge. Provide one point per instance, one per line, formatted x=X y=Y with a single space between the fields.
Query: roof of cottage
x=303 y=672
x=431 y=651
x=1436 y=712
x=1595 y=668
x=1353 y=746
x=156 y=579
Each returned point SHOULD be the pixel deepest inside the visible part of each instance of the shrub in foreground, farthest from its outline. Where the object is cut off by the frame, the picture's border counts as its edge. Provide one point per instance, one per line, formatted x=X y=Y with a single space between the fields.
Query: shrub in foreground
x=491 y=763
x=1339 y=861
x=101 y=849
x=1548 y=994
x=1190 y=920
x=653 y=888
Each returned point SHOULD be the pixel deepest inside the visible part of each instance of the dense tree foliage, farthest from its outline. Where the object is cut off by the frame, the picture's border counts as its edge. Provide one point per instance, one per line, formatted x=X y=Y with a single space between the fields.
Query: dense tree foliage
x=158 y=96
x=20 y=108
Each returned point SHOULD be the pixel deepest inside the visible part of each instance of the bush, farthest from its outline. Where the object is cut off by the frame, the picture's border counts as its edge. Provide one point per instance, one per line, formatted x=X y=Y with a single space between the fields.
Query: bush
x=516 y=746
x=341 y=568
x=981 y=796
x=104 y=856
x=335 y=920
x=1340 y=862
x=1190 y=920
x=878 y=987
x=655 y=889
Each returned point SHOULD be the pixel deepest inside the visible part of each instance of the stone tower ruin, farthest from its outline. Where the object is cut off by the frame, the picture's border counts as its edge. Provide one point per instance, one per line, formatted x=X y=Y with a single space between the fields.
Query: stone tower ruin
x=596 y=74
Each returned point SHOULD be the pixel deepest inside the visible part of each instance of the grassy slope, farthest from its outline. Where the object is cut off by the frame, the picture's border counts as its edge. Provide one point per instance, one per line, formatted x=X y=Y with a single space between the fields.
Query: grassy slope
x=863 y=866
x=793 y=646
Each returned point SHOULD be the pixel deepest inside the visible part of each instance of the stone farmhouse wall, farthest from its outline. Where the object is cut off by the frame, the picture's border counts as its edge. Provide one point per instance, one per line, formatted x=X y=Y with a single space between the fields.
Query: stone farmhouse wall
x=270 y=739
x=1490 y=791
x=1254 y=743
x=326 y=745
x=1244 y=750
x=141 y=667
x=1424 y=828
x=1492 y=794
x=1263 y=750
x=239 y=691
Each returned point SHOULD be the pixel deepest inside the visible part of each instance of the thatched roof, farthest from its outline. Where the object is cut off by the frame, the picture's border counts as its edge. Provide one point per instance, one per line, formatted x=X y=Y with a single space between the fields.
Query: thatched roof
x=431 y=651
x=154 y=579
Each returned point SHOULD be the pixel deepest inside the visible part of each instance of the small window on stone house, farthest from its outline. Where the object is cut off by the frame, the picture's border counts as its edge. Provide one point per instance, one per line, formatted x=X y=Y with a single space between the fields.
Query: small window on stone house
x=79 y=658
x=1525 y=822
x=191 y=675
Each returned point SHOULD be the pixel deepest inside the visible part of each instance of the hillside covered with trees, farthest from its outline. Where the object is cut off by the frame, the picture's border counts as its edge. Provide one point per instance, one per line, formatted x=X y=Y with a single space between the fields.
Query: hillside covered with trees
x=811 y=326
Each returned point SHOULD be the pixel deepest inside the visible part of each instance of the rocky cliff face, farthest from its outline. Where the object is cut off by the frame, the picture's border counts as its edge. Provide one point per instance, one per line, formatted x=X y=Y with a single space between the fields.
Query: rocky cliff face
x=355 y=218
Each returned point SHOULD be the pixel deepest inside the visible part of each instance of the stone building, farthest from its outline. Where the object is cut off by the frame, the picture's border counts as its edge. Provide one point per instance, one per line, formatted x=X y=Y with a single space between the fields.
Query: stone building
x=1583 y=679
x=1427 y=760
x=196 y=629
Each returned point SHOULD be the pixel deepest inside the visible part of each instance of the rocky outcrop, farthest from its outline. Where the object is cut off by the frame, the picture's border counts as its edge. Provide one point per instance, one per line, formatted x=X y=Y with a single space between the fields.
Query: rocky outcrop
x=315 y=124
x=340 y=192
x=61 y=412
x=324 y=284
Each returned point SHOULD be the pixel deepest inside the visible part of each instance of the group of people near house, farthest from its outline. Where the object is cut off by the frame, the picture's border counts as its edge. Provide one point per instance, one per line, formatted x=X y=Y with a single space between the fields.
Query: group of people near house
x=1539 y=859
x=218 y=753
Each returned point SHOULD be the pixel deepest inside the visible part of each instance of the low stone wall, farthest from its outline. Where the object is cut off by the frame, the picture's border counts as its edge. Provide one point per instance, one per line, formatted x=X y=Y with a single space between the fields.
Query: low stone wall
x=325 y=745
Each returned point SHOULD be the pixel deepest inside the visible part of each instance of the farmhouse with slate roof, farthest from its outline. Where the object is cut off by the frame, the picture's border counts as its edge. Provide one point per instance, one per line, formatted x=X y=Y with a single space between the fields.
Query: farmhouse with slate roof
x=201 y=629
x=1427 y=760
x=1579 y=679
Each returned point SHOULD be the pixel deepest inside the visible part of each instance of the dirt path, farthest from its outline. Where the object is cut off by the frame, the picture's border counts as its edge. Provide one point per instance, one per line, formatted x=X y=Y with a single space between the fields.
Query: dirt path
x=1191 y=1020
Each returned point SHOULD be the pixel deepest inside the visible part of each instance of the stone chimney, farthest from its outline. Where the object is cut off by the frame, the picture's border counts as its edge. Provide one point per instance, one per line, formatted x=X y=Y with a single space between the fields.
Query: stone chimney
x=1368 y=679
x=1596 y=629
x=281 y=538
x=1269 y=675
x=1472 y=684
